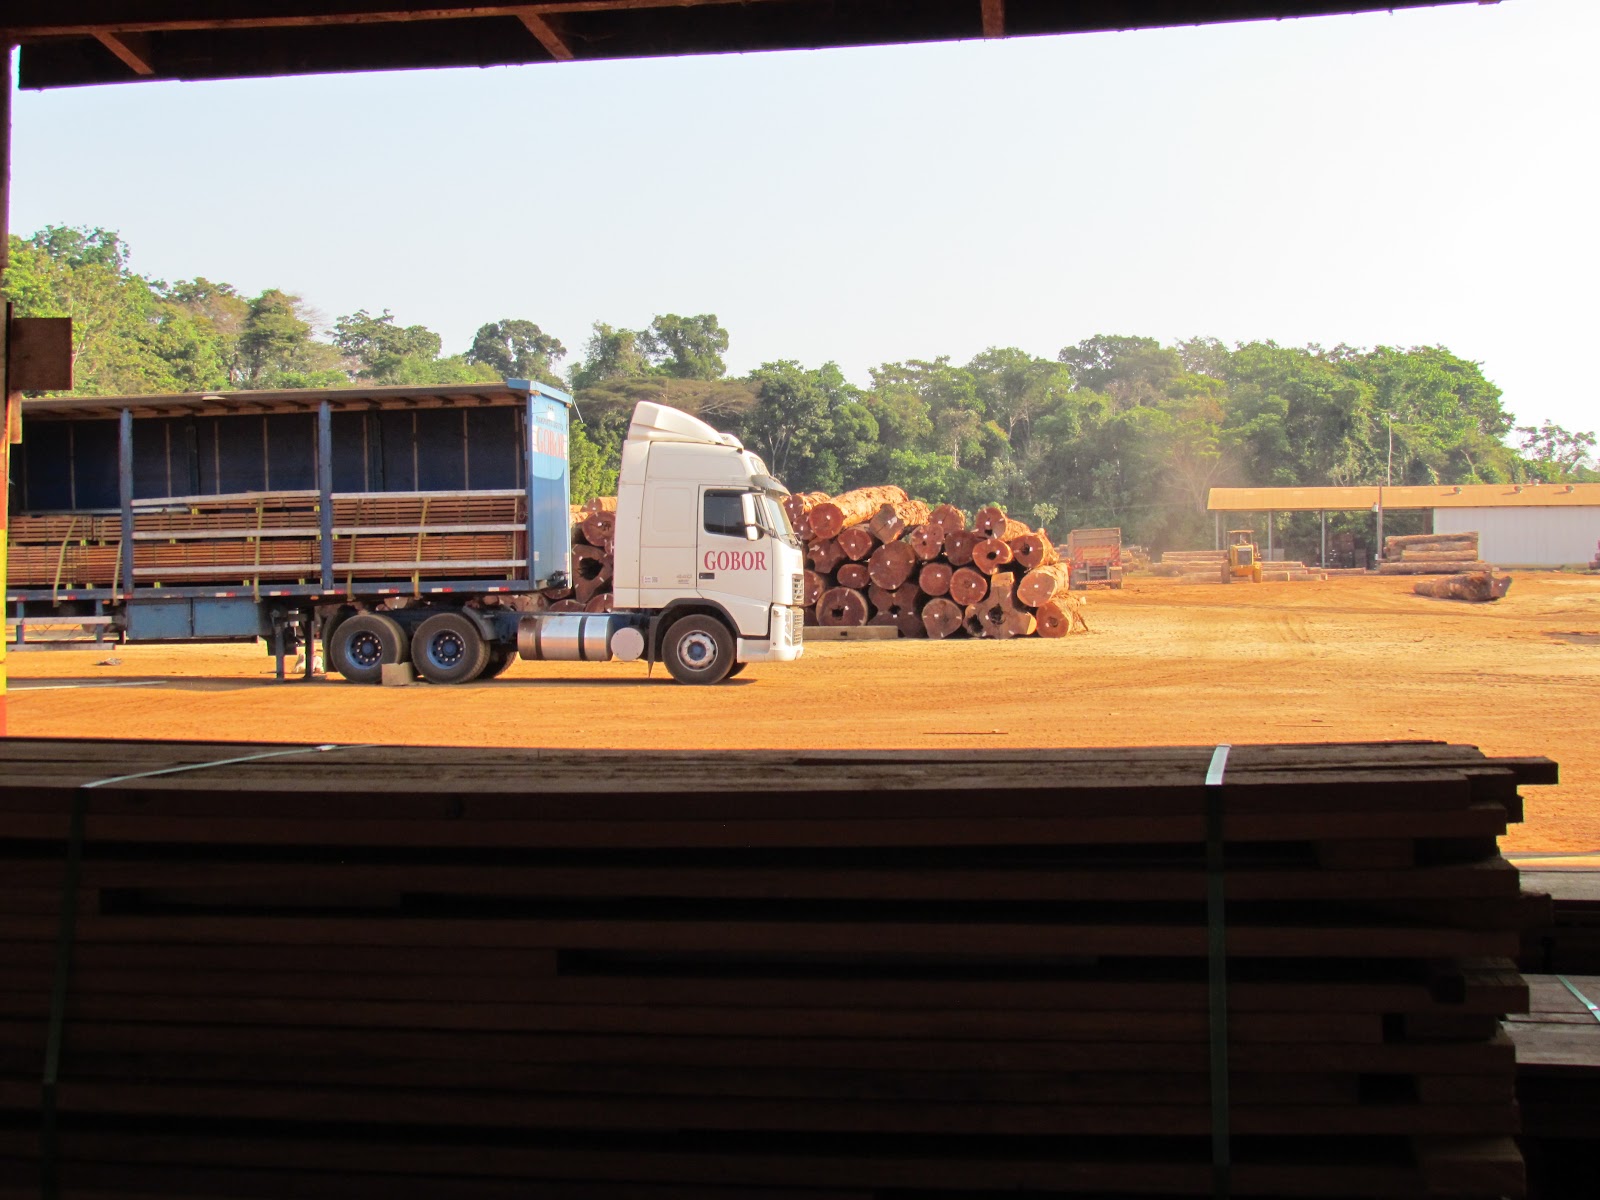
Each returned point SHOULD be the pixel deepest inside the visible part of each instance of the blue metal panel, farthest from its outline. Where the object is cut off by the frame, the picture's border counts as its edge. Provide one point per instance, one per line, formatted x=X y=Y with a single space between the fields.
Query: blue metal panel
x=94 y=464
x=397 y=431
x=159 y=620
x=549 y=503
x=47 y=470
x=349 y=451
x=441 y=450
x=291 y=452
x=125 y=488
x=229 y=618
x=325 y=488
x=492 y=448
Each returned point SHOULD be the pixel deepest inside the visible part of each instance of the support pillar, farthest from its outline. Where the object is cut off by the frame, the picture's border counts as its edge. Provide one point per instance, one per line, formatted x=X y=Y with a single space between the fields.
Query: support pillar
x=10 y=406
x=1377 y=553
x=1324 y=561
x=1218 y=545
x=1270 y=523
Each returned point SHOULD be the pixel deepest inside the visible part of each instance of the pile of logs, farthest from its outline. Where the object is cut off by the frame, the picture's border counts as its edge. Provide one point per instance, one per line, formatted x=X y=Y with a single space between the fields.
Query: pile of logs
x=1195 y=566
x=876 y=557
x=594 y=528
x=1431 y=554
x=414 y=972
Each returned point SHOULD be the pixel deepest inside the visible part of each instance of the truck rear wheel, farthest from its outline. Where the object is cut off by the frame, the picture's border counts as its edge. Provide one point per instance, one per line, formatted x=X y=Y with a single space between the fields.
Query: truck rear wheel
x=362 y=645
x=448 y=648
x=698 y=649
x=500 y=660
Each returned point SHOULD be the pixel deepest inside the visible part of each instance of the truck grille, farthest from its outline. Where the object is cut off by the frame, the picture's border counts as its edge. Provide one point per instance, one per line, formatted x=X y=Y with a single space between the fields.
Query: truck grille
x=798 y=591
x=797 y=626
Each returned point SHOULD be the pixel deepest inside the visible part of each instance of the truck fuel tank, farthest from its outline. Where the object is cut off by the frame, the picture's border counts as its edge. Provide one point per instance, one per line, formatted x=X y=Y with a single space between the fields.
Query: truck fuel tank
x=580 y=637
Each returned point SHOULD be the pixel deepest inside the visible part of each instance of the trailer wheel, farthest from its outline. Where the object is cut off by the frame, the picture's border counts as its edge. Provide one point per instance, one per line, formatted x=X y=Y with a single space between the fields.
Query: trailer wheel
x=447 y=648
x=698 y=649
x=362 y=645
x=500 y=660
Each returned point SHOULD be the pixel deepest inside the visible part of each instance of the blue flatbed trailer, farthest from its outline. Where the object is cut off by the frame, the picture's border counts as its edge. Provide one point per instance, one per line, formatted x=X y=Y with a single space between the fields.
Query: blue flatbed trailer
x=122 y=471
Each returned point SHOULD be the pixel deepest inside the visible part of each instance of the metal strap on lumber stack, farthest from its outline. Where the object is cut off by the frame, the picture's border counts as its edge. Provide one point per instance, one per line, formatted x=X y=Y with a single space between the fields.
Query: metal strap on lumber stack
x=390 y=970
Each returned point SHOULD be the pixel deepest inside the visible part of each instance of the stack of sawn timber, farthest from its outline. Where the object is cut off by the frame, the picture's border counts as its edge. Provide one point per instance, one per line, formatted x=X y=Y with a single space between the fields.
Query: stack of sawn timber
x=417 y=972
x=594 y=540
x=274 y=536
x=1431 y=554
x=1197 y=566
x=876 y=557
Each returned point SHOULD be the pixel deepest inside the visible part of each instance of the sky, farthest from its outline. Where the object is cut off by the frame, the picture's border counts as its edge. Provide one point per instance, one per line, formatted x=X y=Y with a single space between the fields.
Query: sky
x=1426 y=177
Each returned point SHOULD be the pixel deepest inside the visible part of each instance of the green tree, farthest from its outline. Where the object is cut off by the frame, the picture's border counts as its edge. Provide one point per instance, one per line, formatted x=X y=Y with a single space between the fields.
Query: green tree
x=517 y=349
x=1557 y=455
x=384 y=352
x=611 y=353
x=686 y=347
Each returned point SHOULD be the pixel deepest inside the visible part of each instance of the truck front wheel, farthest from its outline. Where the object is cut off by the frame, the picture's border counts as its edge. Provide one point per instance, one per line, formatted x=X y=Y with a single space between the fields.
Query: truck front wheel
x=448 y=648
x=698 y=649
x=362 y=645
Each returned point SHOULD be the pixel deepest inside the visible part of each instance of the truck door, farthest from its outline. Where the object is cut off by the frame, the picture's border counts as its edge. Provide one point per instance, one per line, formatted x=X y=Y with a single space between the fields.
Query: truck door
x=733 y=567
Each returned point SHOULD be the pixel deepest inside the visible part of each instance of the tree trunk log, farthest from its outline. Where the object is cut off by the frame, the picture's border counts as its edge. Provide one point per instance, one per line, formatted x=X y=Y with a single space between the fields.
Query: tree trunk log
x=1477 y=587
x=1419 y=539
x=853 y=575
x=927 y=540
x=1034 y=549
x=798 y=506
x=815 y=586
x=941 y=617
x=990 y=555
x=934 y=578
x=842 y=606
x=568 y=605
x=600 y=527
x=891 y=565
x=601 y=504
x=989 y=520
x=948 y=518
x=832 y=517
x=892 y=520
x=824 y=556
x=1043 y=584
x=998 y=614
x=898 y=608
x=857 y=543
x=1061 y=616
x=968 y=586
x=958 y=546
x=1466 y=551
x=1431 y=568
x=599 y=602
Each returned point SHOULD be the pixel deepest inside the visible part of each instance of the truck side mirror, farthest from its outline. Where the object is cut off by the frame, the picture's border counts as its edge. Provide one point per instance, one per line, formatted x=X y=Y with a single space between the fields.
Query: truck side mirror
x=747 y=510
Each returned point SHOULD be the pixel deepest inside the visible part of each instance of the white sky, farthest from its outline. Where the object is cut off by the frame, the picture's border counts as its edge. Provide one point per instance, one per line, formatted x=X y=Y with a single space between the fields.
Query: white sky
x=1423 y=177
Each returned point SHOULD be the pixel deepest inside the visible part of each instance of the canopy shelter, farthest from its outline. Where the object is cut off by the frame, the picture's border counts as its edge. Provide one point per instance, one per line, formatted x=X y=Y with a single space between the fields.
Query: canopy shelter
x=1379 y=498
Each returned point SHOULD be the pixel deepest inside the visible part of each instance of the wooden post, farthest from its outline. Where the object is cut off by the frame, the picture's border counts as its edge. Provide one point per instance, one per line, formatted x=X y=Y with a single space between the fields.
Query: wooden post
x=10 y=421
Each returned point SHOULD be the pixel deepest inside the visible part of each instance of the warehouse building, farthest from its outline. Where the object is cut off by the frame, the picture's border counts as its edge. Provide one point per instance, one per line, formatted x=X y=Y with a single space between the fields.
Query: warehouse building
x=1526 y=525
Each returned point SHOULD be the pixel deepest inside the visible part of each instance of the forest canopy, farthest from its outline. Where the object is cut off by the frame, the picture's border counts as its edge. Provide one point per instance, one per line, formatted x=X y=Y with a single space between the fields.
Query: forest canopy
x=1113 y=430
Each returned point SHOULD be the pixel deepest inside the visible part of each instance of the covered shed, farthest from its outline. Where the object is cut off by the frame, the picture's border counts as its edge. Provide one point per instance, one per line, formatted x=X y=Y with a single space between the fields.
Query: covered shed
x=1518 y=524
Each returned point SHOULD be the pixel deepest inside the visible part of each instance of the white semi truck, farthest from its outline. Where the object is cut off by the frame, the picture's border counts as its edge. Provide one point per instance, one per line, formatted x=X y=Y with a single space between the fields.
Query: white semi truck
x=399 y=525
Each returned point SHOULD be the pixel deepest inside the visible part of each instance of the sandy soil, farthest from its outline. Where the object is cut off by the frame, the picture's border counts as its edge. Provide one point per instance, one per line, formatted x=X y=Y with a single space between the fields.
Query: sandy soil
x=1165 y=663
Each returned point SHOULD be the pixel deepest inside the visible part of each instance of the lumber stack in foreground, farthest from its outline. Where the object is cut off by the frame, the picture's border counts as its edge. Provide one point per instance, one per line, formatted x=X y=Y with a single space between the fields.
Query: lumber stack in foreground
x=341 y=971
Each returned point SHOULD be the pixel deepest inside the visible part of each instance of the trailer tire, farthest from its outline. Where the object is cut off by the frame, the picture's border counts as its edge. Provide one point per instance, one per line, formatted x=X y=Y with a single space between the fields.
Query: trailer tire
x=698 y=649
x=500 y=660
x=362 y=645
x=447 y=648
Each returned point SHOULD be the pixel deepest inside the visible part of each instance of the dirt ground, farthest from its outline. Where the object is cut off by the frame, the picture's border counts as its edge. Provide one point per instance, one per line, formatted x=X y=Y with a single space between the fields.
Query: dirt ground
x=1164 y=663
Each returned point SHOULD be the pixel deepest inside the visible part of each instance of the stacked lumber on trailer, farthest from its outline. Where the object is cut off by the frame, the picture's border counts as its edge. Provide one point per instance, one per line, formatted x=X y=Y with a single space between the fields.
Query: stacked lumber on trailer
x=876 y=557
x=1431 y=554
x=1558 y=1082
x=276 y=536
x=402 y=971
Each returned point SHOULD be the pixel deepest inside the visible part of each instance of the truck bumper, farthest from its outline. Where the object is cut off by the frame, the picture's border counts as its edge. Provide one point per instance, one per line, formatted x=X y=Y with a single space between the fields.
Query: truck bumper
x=786 y=643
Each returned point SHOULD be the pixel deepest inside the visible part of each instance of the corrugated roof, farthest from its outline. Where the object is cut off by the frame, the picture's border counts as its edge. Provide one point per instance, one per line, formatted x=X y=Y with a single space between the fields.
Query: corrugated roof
x=1467 y=495
x=287 y=400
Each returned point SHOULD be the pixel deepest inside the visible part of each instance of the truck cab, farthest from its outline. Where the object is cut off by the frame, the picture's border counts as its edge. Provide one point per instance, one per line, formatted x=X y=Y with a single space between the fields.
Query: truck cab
x=703 y=544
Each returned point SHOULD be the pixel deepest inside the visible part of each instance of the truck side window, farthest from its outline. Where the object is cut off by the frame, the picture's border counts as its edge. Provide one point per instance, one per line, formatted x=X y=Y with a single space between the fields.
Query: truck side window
x=723 y=514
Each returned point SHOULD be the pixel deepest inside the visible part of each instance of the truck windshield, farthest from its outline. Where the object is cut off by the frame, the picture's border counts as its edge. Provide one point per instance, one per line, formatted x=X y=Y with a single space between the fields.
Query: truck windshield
x=774 y=521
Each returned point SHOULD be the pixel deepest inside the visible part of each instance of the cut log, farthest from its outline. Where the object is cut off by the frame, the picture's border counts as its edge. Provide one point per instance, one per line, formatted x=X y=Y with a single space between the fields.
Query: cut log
x=797 y=506
x=600 y=527
x=991 y=554
x=569 y=605
x=941 y=617
x=1043 y=584
x=599 y=602
x=968 y=586
x=927 y=540
x=601 y=504
x=853 y=575
x=999 y=615
x=1060 y=616
x=898 y=608
x=815 y=586
x=934 y=578
x=1475 y=586
x=891 y=565
x=1420 y=539
x=1421 y=554
x=948 y=519
x=958 y=546
x=891 y=521
x=832 y=517
x=824 y=556
x=857 y=543
x=1431 y=568
x=990 y=520
x=842 y=606
x=1034 y=549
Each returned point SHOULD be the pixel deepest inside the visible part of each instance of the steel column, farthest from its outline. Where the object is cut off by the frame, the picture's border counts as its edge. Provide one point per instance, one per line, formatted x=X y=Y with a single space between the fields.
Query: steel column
x=1324 y=562
x=325 y=489
x=125 y=491
x=527 y=487
x=9 y=423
